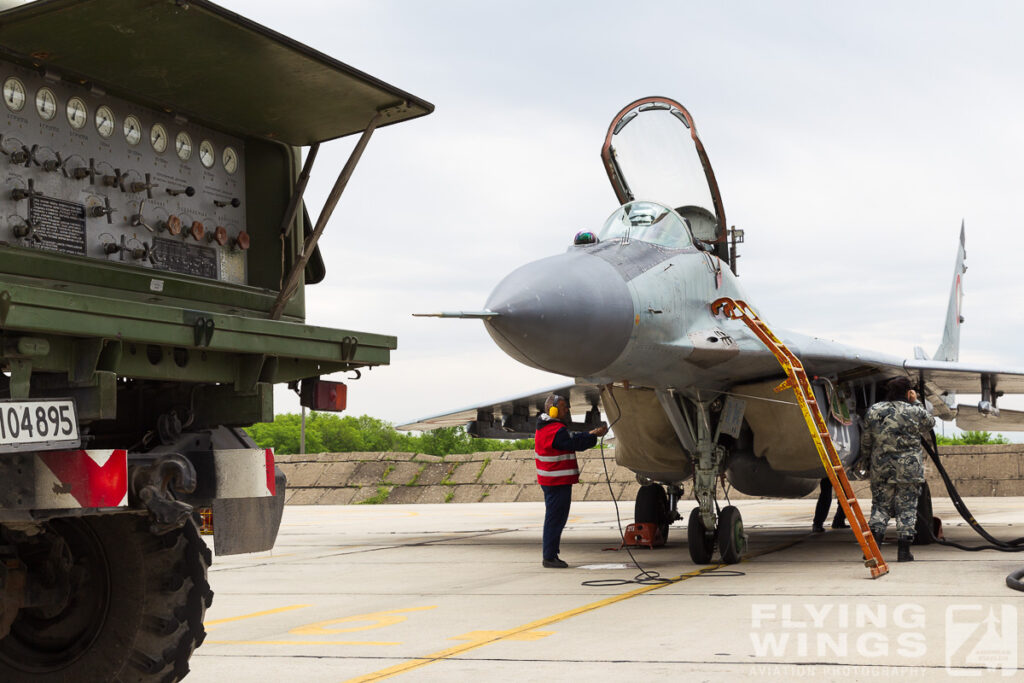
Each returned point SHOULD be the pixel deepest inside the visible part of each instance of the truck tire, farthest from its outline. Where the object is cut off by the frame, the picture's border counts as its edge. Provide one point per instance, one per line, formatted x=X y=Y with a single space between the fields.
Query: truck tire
x=135 y=610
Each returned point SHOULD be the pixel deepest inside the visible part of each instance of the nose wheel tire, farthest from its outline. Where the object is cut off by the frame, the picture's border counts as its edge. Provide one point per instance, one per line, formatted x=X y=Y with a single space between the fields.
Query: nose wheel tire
x=732 y=543
x=701 y=543
x=652 y=508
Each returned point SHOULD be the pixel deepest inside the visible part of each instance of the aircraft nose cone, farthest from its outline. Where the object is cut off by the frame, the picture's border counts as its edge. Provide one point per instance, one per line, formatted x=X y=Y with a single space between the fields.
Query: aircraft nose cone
x=570 y=314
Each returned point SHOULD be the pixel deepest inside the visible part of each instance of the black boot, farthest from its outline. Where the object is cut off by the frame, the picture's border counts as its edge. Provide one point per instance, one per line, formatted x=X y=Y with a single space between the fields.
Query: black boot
x=879 y=536
x=903 y=552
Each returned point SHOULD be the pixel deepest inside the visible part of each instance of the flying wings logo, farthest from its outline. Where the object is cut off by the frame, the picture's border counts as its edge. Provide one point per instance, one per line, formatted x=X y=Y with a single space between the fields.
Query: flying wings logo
x=844 y=639
x=980 y=639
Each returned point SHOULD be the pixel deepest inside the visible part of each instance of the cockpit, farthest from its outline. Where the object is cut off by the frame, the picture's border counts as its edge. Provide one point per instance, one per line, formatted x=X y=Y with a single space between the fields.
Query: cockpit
x=652 y=152
x=647 y=222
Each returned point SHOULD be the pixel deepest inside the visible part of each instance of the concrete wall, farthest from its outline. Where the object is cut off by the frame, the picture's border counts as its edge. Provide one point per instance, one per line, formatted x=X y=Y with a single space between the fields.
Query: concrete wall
x=505 y=476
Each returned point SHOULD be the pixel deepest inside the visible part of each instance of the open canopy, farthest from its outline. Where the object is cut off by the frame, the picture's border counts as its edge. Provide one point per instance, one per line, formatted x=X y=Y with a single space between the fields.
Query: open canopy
x=203 y=62
x=652 y=153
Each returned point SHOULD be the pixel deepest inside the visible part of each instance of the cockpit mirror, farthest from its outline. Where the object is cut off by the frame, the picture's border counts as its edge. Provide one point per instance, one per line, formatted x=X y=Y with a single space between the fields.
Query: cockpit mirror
x=652 y=152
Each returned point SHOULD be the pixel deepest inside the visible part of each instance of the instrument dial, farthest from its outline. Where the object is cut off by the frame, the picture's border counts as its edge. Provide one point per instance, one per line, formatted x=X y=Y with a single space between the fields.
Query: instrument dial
x=207 y=157
x=46 y=104
x=158 y=138
x=77 y=112
x=132 y=130
x=105 y=121
x=230 y=159
x=14 y=94
x=183 y=146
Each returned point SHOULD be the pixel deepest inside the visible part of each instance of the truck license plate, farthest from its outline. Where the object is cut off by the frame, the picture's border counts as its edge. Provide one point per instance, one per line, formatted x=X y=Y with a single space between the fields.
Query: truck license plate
x=30 y=424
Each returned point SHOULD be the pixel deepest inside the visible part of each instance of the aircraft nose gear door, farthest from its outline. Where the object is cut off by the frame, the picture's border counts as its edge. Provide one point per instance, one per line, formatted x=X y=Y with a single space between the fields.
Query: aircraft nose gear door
x=704 y=527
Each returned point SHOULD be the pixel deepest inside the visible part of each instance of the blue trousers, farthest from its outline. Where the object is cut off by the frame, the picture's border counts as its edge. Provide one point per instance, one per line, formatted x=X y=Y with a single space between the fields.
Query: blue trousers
x=556 y=512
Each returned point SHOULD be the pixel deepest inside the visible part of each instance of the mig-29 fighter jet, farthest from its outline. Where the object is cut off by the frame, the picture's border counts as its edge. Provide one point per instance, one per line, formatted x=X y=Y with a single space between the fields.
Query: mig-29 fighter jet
x=626 y=313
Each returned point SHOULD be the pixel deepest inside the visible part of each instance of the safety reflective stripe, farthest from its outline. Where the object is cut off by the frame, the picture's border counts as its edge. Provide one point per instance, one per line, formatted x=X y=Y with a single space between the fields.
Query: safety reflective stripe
x=556 y=458
x=555 y=467
x=557 y=473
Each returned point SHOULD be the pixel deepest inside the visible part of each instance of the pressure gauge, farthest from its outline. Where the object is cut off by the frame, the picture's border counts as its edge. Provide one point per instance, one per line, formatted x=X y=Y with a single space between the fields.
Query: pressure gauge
x=207 y=157
x=132 y=130
x=14 y=94
x=158 y=137
x=77 y=112
x=46 y=104
x=183 y=145
x=105 y=121
x=230 y=159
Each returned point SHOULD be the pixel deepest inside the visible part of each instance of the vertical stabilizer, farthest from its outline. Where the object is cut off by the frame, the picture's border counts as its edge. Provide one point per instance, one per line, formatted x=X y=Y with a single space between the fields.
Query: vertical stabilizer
x=949 y=349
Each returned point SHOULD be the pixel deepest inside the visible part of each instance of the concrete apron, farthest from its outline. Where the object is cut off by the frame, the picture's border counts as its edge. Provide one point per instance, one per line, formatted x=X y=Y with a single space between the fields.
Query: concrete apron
x=456 y=592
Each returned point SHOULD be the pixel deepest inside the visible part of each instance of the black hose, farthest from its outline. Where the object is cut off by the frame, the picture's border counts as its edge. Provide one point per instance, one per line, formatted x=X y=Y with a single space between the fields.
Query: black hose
x=1016 y=545
x=1012 y=580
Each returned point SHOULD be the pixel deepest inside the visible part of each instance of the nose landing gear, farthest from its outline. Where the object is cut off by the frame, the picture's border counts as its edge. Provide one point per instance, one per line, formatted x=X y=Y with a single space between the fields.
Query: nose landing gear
x=691 y=420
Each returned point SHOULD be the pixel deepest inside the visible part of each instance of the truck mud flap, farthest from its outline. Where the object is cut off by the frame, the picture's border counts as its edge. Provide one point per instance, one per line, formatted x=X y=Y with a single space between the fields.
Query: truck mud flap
x=248 y=525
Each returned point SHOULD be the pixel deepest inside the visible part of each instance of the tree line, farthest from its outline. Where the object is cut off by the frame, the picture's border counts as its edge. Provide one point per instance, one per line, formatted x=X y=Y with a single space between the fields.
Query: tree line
x=330 y=433
x=971 y=438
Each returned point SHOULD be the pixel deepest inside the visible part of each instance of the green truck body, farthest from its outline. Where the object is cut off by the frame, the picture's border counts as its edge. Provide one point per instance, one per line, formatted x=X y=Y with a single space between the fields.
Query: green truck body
x=154 y=250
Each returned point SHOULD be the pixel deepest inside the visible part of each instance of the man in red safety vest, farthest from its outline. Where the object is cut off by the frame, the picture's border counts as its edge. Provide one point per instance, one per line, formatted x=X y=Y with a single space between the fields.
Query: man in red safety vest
x=557 y=470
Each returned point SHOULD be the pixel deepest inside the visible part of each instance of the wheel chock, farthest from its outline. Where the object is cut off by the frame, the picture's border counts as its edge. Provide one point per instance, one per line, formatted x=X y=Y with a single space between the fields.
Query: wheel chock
x=642 y=534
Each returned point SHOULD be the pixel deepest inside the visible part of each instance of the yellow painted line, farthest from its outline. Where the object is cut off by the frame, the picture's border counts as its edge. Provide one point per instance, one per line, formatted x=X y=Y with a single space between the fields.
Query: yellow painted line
x=479 y=639
x=374 y=619
x=264 y=613
x=299 y=642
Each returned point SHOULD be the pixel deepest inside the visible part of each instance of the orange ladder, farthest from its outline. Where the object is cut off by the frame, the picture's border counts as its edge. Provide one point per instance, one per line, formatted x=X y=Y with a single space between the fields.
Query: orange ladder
x=796 y=379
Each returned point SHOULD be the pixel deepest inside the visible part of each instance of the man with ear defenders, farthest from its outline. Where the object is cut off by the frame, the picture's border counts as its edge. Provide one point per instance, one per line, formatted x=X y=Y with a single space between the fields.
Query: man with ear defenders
x=557 y=470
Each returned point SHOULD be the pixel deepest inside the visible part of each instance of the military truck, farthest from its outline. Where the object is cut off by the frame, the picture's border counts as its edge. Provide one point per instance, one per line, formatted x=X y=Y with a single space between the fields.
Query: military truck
x=154 y=250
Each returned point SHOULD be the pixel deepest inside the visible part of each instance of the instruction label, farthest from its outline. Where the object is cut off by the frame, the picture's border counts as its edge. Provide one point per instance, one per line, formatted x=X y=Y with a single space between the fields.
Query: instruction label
x=59 y=225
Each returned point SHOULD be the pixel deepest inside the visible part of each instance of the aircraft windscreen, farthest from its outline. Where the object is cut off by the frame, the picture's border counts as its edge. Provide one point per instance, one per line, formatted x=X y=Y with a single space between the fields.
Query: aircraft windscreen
x=647 y=222
x=658 y=160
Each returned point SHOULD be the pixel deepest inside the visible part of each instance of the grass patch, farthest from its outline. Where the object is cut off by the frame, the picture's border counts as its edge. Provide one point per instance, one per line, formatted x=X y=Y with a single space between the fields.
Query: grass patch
x=387 y=473
x=446 y=480
x=448 y=496
x=487 y=461
x=416 y=477
x=383 y=491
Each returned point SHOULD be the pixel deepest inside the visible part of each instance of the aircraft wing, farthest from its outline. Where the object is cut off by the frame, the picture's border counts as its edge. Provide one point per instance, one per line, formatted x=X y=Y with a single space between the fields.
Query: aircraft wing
x=972 y=378
x=514 y=417
x=967 y=377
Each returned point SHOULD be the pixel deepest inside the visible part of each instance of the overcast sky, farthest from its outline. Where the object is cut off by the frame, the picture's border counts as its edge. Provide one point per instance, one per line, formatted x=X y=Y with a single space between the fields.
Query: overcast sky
x=848 y=142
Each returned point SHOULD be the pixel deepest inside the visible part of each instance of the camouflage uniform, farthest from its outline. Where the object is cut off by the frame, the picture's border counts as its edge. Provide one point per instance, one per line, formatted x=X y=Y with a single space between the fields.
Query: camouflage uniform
x=892 y=440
